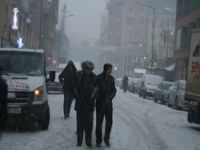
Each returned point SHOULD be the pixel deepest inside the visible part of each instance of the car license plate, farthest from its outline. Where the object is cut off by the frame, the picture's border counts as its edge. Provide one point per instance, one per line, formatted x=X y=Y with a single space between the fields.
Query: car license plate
x=14 y=110
x=11 y=95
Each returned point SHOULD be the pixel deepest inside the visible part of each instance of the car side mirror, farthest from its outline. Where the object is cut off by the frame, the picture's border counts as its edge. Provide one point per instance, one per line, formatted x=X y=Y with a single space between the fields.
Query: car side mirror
x=52 y=76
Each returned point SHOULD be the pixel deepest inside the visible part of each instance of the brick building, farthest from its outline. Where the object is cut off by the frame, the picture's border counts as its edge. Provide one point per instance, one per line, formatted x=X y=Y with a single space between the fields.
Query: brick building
x=188 y=14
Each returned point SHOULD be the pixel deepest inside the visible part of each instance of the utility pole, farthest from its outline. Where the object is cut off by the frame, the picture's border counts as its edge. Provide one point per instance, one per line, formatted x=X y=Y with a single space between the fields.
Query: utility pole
x=63 y=30
x=153 y=37
x=153 y=31
x=40 y=32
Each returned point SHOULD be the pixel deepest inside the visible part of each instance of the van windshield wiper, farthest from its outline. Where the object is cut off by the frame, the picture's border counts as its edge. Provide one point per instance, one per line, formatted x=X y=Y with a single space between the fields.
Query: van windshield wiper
x=13 y=73
x=6 y=74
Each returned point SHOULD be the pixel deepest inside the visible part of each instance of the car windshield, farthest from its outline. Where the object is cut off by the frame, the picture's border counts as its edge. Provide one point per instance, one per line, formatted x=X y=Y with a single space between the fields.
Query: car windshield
x=166 y=86
x=138 y=75
x=153 y=80
x=25 y=63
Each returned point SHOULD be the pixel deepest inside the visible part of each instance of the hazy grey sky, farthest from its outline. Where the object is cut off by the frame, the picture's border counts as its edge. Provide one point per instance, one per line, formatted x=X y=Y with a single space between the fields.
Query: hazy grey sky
x=87 y=17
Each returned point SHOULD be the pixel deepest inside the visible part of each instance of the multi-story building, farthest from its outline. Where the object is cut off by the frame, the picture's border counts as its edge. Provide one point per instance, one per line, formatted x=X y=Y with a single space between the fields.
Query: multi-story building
x=188 y=14
x=9 y=10
x=3 y=24
x=164 y=31
x=126 y=31
x=48 y=24
x=36 y=23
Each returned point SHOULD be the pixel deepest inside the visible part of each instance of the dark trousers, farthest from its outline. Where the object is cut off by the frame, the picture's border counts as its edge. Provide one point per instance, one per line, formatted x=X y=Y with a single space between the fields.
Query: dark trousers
x=84 y=125
x=67 y=102
x=3 y=115
x=106 y=112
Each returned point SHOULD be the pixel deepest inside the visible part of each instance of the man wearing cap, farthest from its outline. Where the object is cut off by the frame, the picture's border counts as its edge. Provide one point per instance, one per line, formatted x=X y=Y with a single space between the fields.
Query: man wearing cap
x=106 y=91
x=3 y=99
x=85 y=103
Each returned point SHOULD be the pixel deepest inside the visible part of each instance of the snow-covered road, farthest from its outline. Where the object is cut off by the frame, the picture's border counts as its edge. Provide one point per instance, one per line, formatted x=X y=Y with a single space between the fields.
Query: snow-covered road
x=138 y=125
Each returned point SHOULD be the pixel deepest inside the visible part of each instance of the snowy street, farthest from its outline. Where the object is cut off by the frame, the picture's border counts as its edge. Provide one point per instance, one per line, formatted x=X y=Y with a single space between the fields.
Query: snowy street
x=138 y=125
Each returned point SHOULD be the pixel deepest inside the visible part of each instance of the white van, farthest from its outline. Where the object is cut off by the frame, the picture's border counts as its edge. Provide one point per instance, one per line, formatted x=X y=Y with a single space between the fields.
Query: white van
x=24 y=71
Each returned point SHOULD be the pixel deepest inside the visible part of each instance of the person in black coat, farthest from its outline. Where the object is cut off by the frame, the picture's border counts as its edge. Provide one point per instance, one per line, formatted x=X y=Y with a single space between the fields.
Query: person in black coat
x=3 y=100
x=106 y=91
x=67 y=78
x=84 y=105
x=125 y=84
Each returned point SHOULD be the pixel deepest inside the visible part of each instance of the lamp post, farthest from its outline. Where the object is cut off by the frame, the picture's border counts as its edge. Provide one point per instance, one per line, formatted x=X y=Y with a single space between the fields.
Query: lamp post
x=63 y=28
x=153 y=32
x=40 y=30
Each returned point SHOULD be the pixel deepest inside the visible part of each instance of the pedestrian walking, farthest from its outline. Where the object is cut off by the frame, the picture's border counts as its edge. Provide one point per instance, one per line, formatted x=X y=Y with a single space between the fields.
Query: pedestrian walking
x=106 y=91
x=125 y=84
x=67 y=78
x=85 y=103
x=3 y=100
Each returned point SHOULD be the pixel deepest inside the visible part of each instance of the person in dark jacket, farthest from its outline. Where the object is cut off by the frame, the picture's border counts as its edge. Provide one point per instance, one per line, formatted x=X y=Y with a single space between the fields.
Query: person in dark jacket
x=3 y=100
x=125 y=83
x=106 y=91
x=67 y=78
x=85 y=103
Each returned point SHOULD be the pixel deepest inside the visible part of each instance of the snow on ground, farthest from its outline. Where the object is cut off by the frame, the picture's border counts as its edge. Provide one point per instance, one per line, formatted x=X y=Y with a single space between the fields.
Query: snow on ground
x=138 y=125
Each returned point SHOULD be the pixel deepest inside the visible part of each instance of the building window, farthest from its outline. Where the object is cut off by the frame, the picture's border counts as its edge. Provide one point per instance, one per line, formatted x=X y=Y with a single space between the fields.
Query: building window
x=178 y=38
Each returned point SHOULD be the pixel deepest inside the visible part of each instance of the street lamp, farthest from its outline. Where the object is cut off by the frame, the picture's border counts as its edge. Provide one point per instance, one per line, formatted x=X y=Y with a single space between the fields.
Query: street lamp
x=153 y=30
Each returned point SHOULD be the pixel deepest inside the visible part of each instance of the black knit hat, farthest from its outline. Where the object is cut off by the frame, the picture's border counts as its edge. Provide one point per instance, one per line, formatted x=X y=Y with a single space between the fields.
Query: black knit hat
x=107 y=66
x=88 y=65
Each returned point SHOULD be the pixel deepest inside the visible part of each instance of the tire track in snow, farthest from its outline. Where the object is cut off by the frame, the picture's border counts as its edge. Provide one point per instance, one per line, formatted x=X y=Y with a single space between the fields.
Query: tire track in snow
x=142 y=123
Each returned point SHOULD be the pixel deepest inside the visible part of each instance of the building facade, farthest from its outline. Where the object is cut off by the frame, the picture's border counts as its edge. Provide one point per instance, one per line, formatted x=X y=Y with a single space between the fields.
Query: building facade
x=35 y=23
x=11 y=8
x=126 y=29
x=164 y=32
x=188 y=14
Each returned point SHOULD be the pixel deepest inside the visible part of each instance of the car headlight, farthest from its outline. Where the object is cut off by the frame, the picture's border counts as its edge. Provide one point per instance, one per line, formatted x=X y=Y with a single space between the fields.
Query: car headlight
x=38 y=93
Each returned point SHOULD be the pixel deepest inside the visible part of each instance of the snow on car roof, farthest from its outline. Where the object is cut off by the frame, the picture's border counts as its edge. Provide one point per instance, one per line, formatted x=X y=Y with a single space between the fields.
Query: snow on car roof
x=143 y=71
x=22 y=50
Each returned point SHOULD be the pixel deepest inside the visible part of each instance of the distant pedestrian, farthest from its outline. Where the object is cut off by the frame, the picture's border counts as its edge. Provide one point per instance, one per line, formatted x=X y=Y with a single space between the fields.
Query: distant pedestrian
x=106 y=91
x=67 y=78
x=85 y=103
x=3 y=100
x=125 y=84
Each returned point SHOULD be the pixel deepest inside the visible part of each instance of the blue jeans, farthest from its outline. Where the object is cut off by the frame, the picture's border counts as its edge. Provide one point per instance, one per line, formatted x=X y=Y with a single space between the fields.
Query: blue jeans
x=67 y=103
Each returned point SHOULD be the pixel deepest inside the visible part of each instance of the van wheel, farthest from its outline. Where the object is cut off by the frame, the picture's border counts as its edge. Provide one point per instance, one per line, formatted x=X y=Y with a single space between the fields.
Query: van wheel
x=45 y=122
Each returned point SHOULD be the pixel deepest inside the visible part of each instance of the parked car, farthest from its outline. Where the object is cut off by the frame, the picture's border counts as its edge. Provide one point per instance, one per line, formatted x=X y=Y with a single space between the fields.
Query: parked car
x=176 y=96
x=149 y=85
x=161 y=93
x=131 y=85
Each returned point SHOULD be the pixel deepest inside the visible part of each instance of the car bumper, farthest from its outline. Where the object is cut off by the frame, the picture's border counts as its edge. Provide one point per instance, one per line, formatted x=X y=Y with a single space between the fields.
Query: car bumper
x=34 y=111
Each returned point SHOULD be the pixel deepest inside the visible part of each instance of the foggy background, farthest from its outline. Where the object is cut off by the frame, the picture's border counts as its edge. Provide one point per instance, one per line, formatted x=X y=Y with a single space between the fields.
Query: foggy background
x=83 y=29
